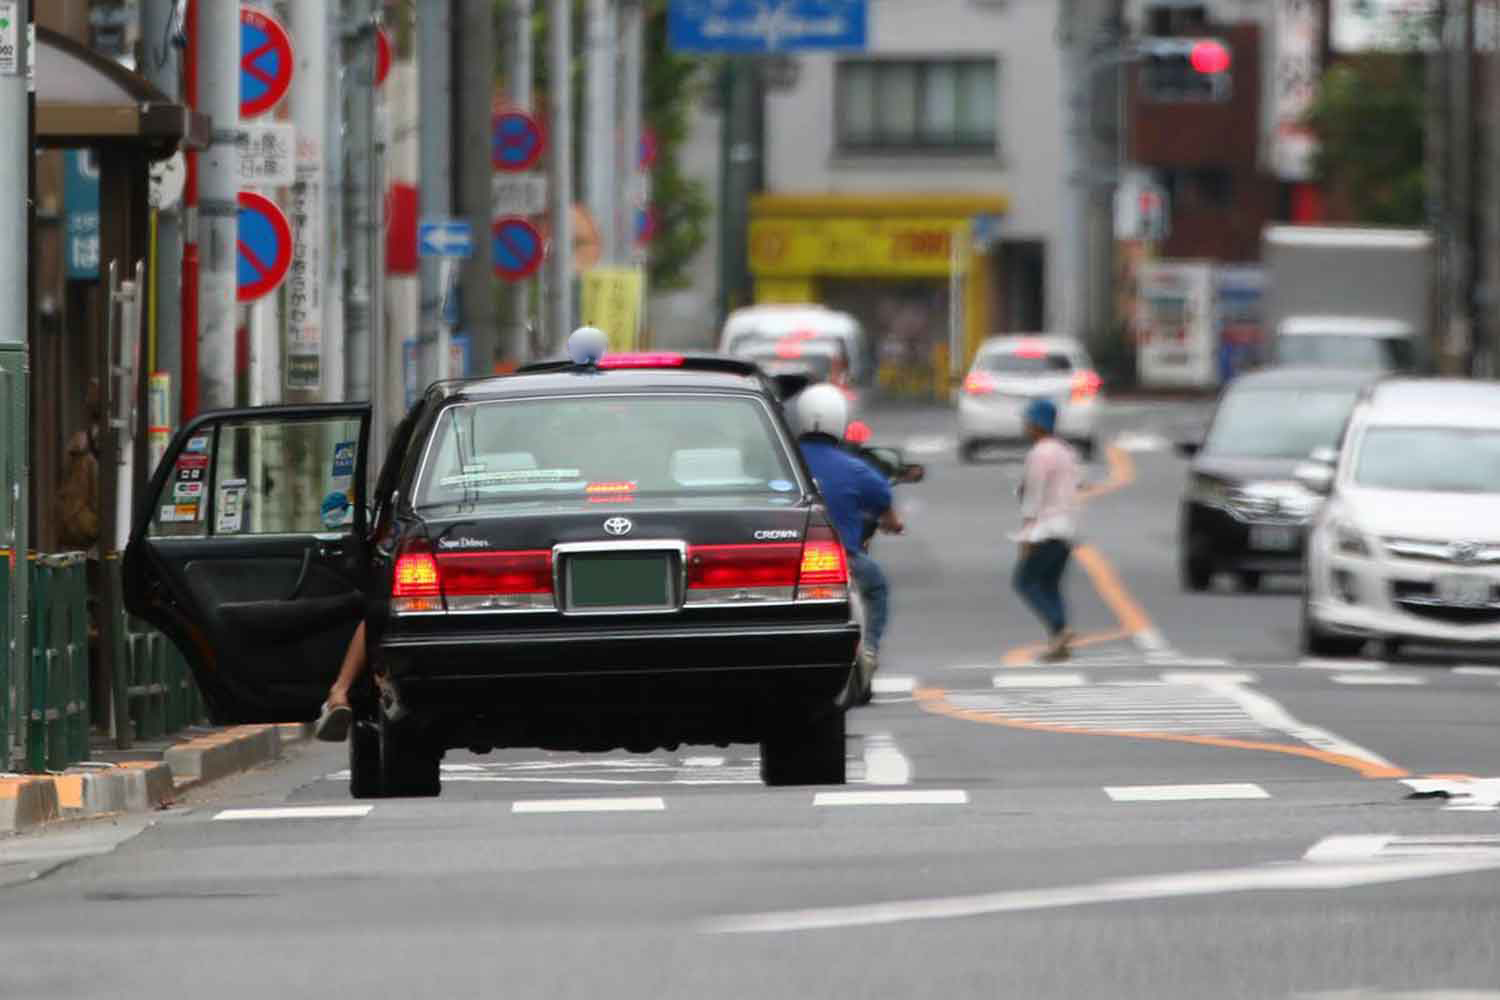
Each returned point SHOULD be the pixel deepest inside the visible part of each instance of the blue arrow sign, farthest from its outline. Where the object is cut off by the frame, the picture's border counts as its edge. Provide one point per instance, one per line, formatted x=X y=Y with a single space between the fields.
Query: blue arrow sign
x=445 y=238
x=767 y=25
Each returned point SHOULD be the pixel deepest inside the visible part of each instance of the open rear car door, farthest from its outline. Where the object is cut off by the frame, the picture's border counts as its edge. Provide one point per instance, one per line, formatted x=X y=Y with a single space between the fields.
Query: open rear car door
x=250 y=554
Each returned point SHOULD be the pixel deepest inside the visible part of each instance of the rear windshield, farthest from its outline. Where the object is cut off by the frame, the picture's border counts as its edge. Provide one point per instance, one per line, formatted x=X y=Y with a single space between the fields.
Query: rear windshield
x=663 y=445
x=1338 y=350
x=1025 y=363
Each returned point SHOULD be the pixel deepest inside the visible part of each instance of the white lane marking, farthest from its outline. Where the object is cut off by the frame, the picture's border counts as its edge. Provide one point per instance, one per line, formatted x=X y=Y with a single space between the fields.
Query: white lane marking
x=1153 y=641
x=893 y=685
x=296 y=812
x=1029 y=679
x=913 y=797
x=1184 y=793
x=1271 y=715
x=1315 y=664
x=1295 y=876
x=647 y=803
x=1358 y=847
x=1367 y=847
x=1462 y=794
x=885 y=764
x=1134 y=441
x=1380 y=680
x=703 y=762
x=1477 y=671
x=931 y=445
x=1206 y=677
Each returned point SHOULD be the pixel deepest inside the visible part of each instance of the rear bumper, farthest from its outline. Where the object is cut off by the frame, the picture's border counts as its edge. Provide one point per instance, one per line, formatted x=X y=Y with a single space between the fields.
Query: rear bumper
x=1001 y=419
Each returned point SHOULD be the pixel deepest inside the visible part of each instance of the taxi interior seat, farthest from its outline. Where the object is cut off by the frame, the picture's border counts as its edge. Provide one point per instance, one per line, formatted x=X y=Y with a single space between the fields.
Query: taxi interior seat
x=710 y=467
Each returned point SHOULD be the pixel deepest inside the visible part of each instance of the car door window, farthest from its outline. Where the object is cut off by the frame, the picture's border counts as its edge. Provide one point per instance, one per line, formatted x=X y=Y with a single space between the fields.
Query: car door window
x=262 y=478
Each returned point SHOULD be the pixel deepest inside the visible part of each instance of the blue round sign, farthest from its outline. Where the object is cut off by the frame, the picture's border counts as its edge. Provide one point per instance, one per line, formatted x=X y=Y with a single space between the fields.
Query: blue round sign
x=518 y=249
x=263 y=250
x=517 y=142
x=266 y=63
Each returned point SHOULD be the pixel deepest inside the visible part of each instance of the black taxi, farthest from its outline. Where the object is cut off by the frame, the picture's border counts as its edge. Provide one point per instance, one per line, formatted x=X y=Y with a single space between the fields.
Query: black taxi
x=626 y=553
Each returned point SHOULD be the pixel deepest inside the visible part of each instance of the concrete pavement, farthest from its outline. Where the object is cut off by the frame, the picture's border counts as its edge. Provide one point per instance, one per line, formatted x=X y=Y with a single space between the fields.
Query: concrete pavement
x=1186 y=810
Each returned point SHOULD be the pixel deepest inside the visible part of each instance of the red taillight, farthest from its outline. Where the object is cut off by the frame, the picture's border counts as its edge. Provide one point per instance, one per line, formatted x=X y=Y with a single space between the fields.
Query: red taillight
x=485 y=574
x=1030 y=349
x=1086 y=385
x=979 y=384
x=416 y=573
x=609 y=489
x=789 y=349
x=824 y=571
x=659 y=360
x=736 y=567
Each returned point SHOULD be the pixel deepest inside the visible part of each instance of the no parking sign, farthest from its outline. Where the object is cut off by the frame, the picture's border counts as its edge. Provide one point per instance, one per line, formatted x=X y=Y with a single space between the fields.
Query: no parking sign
x=266 y=62
x=264 y=247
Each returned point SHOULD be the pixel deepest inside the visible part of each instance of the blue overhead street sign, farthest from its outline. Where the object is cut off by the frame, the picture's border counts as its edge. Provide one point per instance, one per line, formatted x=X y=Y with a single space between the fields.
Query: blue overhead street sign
x=749 y=26
x=445 y=238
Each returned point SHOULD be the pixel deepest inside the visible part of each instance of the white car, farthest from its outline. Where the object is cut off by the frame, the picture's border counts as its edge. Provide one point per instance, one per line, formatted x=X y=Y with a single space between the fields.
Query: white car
x=748 y=330
x=1008 y=373
x=1407 y=548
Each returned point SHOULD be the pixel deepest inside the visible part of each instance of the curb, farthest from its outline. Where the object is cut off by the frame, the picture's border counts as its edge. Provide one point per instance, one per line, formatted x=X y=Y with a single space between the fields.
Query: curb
x=100 y=789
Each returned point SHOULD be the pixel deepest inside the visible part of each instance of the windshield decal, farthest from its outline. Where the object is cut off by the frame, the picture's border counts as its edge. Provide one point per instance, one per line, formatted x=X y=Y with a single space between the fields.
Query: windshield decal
x=517 y=477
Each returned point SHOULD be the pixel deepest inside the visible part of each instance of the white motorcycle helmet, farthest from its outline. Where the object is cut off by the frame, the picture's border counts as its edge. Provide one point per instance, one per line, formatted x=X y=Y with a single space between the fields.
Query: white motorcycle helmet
x=823 y=409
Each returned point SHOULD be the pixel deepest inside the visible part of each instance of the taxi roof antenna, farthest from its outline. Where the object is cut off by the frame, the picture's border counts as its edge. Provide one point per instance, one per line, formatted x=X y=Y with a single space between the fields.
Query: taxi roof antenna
x=587 y=345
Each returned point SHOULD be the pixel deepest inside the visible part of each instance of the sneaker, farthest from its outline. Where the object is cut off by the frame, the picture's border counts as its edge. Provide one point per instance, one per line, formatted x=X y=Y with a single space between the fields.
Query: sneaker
x=1059 y=650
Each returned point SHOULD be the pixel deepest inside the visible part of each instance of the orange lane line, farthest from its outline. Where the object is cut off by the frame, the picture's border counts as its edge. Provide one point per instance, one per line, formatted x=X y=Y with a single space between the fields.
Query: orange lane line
x=1025 y=656
x=934 y=700
x=1128 y=612
x=1121 y=474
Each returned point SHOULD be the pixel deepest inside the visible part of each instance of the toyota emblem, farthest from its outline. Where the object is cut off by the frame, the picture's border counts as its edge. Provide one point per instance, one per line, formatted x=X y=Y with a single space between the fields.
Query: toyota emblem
x=1463 y=552
x=618 y=526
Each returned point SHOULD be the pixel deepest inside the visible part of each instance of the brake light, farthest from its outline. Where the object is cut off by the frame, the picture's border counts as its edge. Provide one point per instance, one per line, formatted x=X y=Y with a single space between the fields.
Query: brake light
x=416 y=575
x=740 y=568
x=979 y=384
x=598 y=489
x=789 y=349
x=657 y=360
x=1030 y=349
x=824 y=571
x=471 y=581
x=1086 y=385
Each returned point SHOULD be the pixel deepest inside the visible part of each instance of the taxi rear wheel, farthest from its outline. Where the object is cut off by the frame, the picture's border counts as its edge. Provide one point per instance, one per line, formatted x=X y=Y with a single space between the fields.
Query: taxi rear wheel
x=410 y=763
x=364 y=760
x=806 y=753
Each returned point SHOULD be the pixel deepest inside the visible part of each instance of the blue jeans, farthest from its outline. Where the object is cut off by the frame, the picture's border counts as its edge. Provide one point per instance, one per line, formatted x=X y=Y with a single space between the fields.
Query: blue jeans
x=1038 y=580
x=877 y=594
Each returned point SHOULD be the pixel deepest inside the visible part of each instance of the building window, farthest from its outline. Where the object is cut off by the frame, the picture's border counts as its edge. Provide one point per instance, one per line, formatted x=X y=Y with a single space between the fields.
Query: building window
x=899 y=105
x=1198 y=189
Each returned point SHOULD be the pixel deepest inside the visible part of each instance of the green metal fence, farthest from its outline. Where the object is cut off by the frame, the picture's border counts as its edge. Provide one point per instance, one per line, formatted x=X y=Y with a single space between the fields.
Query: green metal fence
x=163 y=697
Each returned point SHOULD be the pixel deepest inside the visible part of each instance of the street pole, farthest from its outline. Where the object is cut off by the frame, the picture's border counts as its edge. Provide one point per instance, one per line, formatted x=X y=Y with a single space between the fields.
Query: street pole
x=1107 y=126
x=15 y=313
x=218 y=209
x=1068 y=310
x=601 y=179
x=560 y=173
x=163 y=68
x=479 y=306
x=435 y=43
x=632 y=65
x=517 y=346
x=312 y=277
x=335 y=354
x=362 y=344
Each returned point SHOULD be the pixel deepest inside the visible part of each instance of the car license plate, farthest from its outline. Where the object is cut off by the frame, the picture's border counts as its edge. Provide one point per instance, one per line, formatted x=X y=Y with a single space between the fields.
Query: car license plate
x=1272 y=537
x=1463 y=591
x=635 y=581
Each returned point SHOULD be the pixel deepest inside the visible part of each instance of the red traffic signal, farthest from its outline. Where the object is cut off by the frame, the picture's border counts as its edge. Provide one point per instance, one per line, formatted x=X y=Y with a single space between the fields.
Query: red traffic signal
x=1209 y=57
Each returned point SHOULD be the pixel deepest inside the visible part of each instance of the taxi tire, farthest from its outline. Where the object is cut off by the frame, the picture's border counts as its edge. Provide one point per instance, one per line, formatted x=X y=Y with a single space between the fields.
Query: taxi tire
x=807 y=753
x=410 y=766
x=364 y=760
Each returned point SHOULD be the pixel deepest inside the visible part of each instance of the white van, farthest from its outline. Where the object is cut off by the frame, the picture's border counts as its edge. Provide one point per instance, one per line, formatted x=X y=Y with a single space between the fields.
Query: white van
x=750 y=331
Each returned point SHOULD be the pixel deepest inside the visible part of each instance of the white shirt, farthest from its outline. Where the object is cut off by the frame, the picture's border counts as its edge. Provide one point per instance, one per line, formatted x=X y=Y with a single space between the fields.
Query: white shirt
x=1049 y=492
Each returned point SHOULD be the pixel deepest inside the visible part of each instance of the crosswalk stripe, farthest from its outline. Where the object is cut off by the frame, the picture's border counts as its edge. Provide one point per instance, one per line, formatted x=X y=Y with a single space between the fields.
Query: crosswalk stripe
x=649 y=803
x=913 y=797
x=1185 y=793
x=295 y=812
x=1027 y=679
x=1378 y=680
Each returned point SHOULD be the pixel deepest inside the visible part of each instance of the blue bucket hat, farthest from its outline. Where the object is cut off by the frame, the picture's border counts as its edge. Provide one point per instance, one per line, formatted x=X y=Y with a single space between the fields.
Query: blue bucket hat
x=1042 y=414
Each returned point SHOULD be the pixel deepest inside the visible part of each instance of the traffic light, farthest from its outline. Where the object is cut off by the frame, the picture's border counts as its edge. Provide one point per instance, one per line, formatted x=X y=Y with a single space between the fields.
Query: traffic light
x=1186 y=69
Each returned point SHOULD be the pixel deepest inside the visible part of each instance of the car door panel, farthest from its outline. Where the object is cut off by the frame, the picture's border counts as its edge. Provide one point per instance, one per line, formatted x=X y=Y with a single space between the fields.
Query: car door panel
x=262 y=599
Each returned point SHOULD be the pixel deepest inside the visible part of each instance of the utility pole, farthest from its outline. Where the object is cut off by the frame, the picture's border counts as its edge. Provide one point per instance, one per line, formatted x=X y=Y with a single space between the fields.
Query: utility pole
x=15 y=313
x=1107 y=124
x=600 y=178
x=435 y=44
x=312 y=281
x=1464 y=214
x=479 y=306
x=517 y=345
x=632 y=65
x=365 y=342
x=560 y=172
x=335 y=352
x=218 y=207
x=163 y=68
x=741 y=173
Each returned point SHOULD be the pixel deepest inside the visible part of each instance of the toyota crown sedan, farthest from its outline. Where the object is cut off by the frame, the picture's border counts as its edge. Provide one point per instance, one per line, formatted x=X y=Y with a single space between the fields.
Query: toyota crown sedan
x=628 y=553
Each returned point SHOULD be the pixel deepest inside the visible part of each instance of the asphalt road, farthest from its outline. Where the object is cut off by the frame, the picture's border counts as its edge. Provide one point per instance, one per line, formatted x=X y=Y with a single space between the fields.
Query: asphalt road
x=1185 y=810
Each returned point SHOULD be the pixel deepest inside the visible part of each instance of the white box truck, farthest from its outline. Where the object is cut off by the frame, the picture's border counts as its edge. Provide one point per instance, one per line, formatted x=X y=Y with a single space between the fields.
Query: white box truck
x=1350 y=296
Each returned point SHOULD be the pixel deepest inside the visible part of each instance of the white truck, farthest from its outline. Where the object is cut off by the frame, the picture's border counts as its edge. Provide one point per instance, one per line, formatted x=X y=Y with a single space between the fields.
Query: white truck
x=1350 y=296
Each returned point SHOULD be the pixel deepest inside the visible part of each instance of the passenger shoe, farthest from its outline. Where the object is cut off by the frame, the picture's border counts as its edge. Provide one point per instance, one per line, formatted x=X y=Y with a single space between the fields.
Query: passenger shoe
x=1059 y=649
x=333 y=724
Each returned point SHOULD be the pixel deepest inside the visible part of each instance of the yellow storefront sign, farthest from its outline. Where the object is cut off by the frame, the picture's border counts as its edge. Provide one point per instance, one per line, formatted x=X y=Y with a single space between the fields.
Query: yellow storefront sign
x=908 y=247
x=612 y=302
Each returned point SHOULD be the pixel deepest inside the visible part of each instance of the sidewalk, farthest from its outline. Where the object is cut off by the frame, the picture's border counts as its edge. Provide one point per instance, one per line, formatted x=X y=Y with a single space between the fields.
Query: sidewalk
x=148 y=777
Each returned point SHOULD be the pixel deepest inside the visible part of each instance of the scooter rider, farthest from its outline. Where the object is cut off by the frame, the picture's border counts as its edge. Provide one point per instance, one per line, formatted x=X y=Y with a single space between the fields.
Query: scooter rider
x=854 y=491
